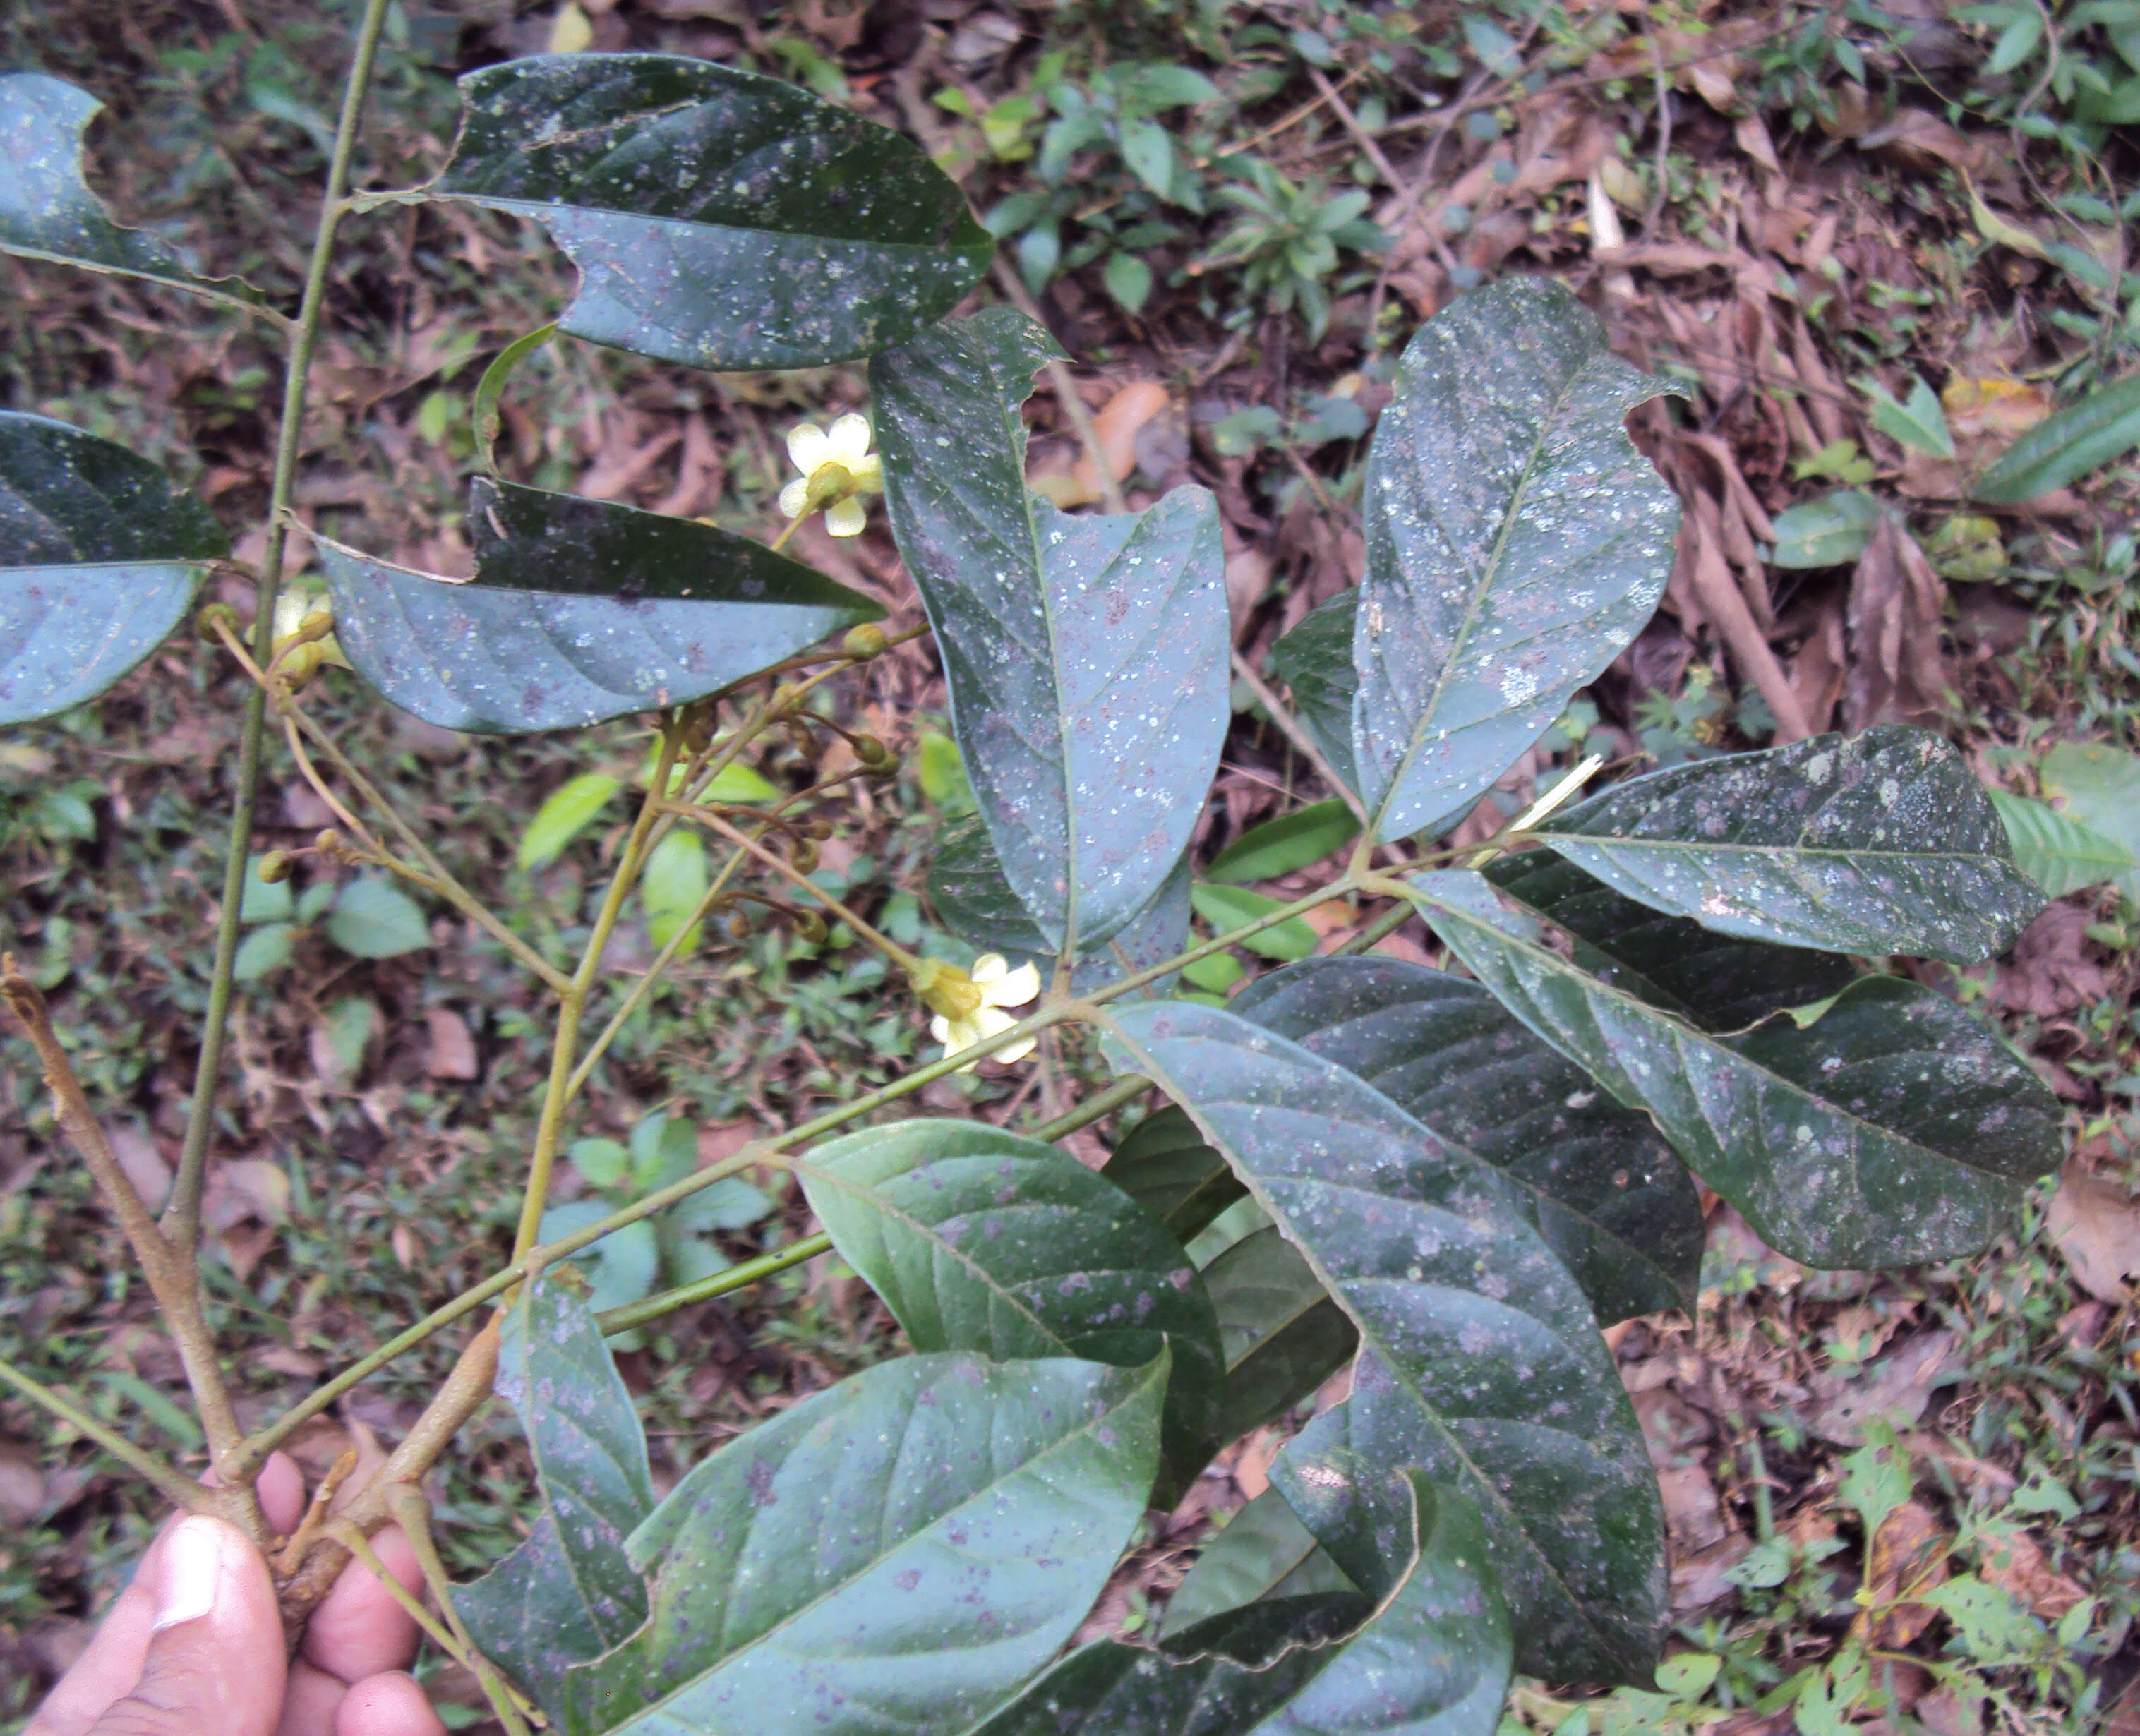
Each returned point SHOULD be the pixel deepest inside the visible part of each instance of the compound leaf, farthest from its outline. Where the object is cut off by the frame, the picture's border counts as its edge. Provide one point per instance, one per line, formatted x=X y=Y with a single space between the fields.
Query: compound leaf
x=567 y=1593
x=580 y=610
x=1086 y=657
x=718 y=218
x=100 y=558
x=901 y=1552
x=46 y=210
x=1892 y=1129
x=1483 y=1356
x=1883 y=842
x=1516 y=543
x=1607 y=1193
x=981 y=1240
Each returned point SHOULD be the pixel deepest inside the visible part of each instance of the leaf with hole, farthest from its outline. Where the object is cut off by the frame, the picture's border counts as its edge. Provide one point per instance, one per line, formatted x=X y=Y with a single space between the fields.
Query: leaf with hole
x=981 y=1240
x=1315 y=662
x=1086 y=657
x=371 y=919
x=2060 y=853
x=1516 y=541
x=718 y=218
x=1484 y=1358
x=1892 y=1130
x=100 y=556
x=580 y=610
x=902 y=1550
x=1430 y=1657
x=1607 y=1193
x=1283 y=845
x=46 y=210
x=1873 y=844
x=567 y=1593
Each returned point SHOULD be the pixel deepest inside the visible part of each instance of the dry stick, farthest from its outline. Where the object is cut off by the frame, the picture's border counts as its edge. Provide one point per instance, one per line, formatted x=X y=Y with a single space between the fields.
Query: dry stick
x=1066 y=394
x=1719 y=595
x=182 y=1492
x=1290 y=726
x=287 y=1557
x=182 y=1217
x=169 y=1271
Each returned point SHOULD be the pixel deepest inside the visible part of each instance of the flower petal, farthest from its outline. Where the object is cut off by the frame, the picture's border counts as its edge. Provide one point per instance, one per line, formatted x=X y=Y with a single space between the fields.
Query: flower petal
x=1015 y=989
x=847 y=440
x=847 y=517
x=807 y=446
x=1017 y=1051
x=939 y=1028
x=988 y=967
x=867 y=471
x=795 y=496
x=991 y=1022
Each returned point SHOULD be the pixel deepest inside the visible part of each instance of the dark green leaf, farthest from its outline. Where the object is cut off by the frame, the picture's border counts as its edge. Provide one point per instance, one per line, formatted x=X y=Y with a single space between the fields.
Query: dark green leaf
x=1608 y=1196
x=718 y=218
x=975 y=901
x=1712 y=980
x=371 y=919
x=1829 y=532
x=1228 y=908
x=2060 y=854
x=1164 y=1165
x=46 y=210
x=1282 y=1334
x=1086 y=657
x=1479 y=1356
x=1264 y=1553
x=1432 y=1658
x=1879 y=843
x=1315 y=662
x=579 y=610
x=100 y=558
x=1516 y=543
x=483 y=407
x=1892 y=1130
x=980 y=1240
x=1291 y=842
x=567 y=1593
x=900 y=1553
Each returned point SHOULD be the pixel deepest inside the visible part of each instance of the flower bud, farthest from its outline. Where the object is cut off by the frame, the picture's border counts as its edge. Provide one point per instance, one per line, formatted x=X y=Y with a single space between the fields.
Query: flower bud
x=214 y=615
x=274 y=867
x=738 y=925
x=864 y=642
x=328 y=843
x=819 y=829
x=810 y=928
x=803 y=857
x=871 y=752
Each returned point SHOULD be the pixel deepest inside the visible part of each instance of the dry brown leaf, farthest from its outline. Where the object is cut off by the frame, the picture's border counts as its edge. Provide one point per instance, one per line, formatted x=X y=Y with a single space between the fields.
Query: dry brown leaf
x=2049 y=972
x=1694 y=1515
x=1751 y=135
x=22 y=1484
x=2016 y=1563
x=1817 y=671
x=2095 y=1225
x=1908 y=1554
x=1116 y=426
x=452 y=1049
x=1896 y=1388
x=1896 y=673
x=1920 y=141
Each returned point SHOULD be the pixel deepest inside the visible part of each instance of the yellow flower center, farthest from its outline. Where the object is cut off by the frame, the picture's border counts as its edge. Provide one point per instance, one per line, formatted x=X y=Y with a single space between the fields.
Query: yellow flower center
x=946 y=989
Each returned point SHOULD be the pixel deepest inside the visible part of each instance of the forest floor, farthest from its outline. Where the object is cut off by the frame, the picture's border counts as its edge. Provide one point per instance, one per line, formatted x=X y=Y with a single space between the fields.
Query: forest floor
x=1784 y=207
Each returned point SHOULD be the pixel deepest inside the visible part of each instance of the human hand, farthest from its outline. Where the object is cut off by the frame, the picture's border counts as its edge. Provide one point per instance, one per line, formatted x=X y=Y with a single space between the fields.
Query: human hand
x=194 y=1646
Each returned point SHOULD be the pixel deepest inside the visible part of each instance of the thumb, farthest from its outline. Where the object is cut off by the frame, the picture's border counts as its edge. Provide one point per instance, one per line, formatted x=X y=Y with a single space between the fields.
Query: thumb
x=215 y=1659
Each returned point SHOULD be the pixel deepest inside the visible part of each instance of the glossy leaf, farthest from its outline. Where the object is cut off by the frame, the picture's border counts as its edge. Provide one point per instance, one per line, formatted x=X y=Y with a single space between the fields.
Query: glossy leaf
x=565 y=812
x=1315 y=662
x=46 y=210
x=371 y=919
x=1607 y=1193
x=2064 y=448
x=1290 y=842
x=580 y=610
x=1879 y=843
x=1164 y=1164
x=1486 y=1365
x=100 y=558
x=1282 y=1334
x=718 y=218
x=901 y=1552
x=981 y=1240
x=1086 y=657
x=1225 y=909
x=1431 y=1658
x=1516 y=541
x=2060 y=853
x=1713 y=981
x=1264 y=1553
x=567 y=1593
x=1892 y=1130
x=975 y=900
x=1830 y=531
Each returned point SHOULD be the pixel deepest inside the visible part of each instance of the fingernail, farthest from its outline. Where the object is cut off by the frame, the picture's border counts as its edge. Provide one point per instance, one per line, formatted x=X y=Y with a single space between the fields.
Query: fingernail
x=192 y=1568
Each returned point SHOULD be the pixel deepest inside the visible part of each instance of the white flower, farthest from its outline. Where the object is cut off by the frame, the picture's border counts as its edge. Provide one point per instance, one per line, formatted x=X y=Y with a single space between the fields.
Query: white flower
x=838 y=468
x=969 y=1007
x=296 y=611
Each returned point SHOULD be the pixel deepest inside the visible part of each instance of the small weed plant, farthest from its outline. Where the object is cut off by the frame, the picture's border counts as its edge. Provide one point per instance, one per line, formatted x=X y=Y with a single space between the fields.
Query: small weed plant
x=1446 y=1182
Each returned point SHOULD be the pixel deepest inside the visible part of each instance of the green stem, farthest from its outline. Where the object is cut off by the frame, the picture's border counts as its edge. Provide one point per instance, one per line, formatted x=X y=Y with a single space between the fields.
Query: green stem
x=181 y=1492
x=182 y=1219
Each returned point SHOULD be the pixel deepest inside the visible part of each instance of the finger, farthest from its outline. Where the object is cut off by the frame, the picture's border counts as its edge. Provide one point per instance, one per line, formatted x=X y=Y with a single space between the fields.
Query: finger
x=358 y=1630
x=214 y=1657
x=310 y=1702
x=388 y=1705
x=280 y=1488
